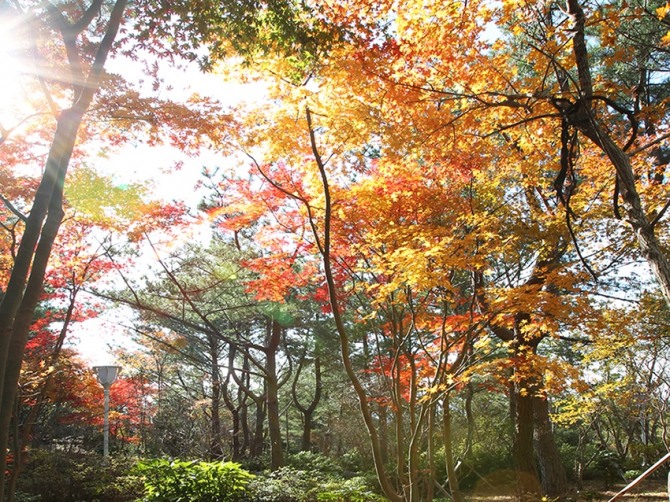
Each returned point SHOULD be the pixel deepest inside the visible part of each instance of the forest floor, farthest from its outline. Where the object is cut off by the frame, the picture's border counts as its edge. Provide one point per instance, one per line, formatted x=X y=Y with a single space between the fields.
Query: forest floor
x=647 y=491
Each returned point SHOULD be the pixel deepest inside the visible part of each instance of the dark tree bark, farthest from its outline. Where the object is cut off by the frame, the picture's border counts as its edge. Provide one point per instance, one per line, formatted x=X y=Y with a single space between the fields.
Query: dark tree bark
x=23 y=432
x=524 y=386
x=521 y=404
x=244 y=413
x=307 y=411
x=274 y=425
x=583 y=117
x=552 y=471
x=216 y=446
x=235 y=408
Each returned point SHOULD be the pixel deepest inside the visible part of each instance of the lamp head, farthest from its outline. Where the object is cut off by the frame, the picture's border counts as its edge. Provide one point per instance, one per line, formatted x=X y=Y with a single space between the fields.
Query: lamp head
x=106 y=374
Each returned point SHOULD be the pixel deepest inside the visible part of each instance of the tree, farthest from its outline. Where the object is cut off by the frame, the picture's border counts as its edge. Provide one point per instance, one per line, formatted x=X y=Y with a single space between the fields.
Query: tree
x=200 y=294
x=23 y=289
x=496 y=193
x=619 y=411
x=60 y=304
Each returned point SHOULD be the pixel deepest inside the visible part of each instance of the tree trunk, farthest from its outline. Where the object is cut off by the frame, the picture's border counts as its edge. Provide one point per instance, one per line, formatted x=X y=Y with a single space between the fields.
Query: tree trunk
x=382 y=413
x=257 y=439
x=23 y=432
x=274 y=425
x=528 y=485
x=216 y=446
x=18 y=305
x=244 y=422
x=430 y=488
x=307 y=411
x=233 y=408
x=323 y=242
x=584 y=119
x=552 y=471
x=523 y=388
x=448 y=452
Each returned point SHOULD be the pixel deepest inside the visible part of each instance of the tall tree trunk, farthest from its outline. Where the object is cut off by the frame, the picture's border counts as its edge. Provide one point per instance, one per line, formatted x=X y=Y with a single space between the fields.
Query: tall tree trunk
x=258 y=437
x=552 y=471
x=448 y=452
x=230 y=405
x=23 y=432
x=244 y=421
x=399 y=418
x=216 y=446
x=528 y=486
x=18 y=305
x=323 y=244
x=430 y=487
x=272 y=395
x=470 y=418
x=382 y=413
x=523 y=388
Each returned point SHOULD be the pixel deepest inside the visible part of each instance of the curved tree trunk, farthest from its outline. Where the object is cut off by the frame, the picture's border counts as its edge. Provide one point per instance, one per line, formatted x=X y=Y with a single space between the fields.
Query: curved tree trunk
x=307 y=411
x=323 y=243
x=232 y=407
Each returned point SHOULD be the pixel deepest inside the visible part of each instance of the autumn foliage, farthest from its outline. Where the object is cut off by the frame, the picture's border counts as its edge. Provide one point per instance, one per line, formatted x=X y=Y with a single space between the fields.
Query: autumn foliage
x=455 y=193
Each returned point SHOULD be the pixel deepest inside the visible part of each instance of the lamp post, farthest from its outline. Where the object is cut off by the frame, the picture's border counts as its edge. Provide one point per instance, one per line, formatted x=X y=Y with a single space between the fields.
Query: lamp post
x=106 y=376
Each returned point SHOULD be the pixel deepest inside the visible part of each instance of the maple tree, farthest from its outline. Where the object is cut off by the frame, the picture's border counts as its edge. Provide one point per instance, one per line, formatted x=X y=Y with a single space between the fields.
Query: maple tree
x=414 y=337
x=76 y=265
x=63 y=51
x=619 y=411
x=391 y=96
x=24 y=285
x=81 y=257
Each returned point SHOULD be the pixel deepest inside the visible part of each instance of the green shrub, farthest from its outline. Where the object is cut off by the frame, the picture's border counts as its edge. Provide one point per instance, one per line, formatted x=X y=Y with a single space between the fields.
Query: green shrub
x=20 y=496
x=348 y=490
x=286 y=485
x=292 y=485
x=314 y=462
x=184 y=481
x=67 y=477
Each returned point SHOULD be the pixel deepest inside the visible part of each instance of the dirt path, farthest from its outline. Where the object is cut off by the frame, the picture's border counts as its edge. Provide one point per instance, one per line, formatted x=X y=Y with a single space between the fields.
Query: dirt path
x=649 y=491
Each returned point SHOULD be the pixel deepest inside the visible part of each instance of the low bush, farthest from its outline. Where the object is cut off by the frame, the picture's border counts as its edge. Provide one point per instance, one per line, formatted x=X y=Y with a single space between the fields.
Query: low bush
x=193 y=481
x=286 y=485
x=66 y=477
x=347 y=490
x=310 y=477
